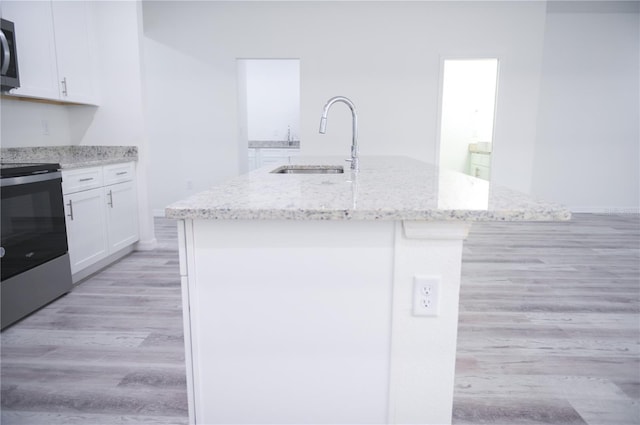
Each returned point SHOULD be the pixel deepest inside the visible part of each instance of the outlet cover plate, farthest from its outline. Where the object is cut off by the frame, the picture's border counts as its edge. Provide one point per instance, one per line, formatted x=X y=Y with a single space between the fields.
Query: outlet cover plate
x=426 y=295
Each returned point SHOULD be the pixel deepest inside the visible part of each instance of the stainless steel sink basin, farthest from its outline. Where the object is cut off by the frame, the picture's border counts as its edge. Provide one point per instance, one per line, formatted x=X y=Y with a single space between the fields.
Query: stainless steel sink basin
x=309 y=169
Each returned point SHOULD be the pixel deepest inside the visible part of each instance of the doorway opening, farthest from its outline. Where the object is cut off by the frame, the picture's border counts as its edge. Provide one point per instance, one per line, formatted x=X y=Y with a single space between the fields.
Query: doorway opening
x=269 y=109
x=468 y=115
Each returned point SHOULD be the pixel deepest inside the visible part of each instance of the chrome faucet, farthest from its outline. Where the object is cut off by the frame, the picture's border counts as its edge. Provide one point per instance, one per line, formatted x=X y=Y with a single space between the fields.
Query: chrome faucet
x=354 y=140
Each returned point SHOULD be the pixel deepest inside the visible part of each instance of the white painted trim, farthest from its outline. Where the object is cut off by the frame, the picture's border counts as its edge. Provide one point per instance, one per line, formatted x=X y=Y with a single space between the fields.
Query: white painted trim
x=146 y=245
x=158 y=213
x=577 y=6
x=606 y=210
x=185 y=229
x=435 y=230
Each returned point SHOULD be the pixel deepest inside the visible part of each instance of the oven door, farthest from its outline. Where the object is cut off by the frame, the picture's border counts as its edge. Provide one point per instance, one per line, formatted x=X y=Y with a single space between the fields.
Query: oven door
x=33 y=227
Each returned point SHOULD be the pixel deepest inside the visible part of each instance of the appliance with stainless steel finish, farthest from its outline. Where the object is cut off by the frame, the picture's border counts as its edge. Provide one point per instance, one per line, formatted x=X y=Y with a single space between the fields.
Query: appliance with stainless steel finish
x=8 y=56
x=34 y=258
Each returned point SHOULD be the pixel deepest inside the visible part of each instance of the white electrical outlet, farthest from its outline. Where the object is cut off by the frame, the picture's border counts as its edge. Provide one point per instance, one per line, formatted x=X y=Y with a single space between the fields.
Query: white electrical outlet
x=426 y=295
x=45 y=127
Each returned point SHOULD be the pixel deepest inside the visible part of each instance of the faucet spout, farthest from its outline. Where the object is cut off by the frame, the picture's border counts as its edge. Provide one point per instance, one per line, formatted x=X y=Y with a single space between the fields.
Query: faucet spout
x=354 y=124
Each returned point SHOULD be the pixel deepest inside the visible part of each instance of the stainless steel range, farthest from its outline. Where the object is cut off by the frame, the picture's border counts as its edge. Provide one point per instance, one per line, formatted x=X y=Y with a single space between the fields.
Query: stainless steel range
x=34 y=258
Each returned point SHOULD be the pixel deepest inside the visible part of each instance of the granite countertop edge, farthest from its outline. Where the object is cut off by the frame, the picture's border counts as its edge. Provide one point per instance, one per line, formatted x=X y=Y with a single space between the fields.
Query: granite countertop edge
x=71 y=156
x=391 y=189
x=274 y=144
x=95 y=163
x=178 y=213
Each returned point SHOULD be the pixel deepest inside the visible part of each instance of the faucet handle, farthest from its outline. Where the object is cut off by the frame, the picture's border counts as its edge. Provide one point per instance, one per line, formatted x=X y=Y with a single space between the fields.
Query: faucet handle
x=355 y=164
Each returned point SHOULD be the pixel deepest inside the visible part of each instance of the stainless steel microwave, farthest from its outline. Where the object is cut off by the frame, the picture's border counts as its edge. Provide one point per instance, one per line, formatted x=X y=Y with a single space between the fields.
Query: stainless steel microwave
x=8 y=56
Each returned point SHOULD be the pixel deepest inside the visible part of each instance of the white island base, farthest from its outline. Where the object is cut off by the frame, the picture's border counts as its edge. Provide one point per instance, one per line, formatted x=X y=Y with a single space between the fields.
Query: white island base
x=311 y=322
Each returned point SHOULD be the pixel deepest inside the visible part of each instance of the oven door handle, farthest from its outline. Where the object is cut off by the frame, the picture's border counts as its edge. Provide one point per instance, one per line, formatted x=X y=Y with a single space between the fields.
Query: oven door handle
x=35 y=178
x=7 y=54
x=70 y=215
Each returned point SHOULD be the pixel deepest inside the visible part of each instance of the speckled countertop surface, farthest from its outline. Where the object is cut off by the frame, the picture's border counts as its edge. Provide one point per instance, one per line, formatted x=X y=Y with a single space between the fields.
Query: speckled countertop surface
x=386 y=188
x=274 y=144
x=71 y=156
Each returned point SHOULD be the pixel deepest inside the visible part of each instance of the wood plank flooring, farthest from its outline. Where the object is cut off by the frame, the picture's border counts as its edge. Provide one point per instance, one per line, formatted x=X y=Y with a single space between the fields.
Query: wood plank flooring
x=549 y=334
x=549 y=327
x=110 y=352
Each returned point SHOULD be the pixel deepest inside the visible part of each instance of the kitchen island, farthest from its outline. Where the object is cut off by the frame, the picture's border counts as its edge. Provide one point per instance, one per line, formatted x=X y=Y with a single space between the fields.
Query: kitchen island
x=330 y=298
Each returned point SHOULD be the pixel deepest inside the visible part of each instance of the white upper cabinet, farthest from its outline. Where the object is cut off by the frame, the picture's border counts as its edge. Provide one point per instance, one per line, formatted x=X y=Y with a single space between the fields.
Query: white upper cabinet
x=36 y=48
x=55 y=41
x=73 y=26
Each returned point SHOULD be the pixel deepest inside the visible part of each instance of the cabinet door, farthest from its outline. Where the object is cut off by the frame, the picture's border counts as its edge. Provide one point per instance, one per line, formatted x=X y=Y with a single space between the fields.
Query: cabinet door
x=276 y=156
x=86 y=232
x=36 y=48
x=122 y=215
x=480 y=171
x=73 y=26
x=253 y=161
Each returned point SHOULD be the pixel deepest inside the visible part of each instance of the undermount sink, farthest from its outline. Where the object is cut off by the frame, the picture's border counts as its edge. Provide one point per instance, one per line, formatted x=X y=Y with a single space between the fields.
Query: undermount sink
x=309 y=169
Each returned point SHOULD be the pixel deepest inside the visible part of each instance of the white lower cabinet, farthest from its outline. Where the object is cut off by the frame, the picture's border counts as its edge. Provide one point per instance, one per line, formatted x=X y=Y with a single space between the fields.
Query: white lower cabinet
x=122 y=223
x=101 y=212
x=259 y=157
x=86 y=232
x=480 y=165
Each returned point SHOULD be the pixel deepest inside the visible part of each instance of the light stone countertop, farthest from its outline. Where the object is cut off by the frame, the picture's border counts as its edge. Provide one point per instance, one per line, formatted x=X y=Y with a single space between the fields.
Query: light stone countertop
x=71 y=156
x=274 y=144
x=385 y=188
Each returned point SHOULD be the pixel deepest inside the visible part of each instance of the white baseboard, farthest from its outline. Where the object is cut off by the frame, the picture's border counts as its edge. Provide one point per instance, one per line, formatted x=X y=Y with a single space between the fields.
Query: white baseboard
x=146 y=245
x=606 y=210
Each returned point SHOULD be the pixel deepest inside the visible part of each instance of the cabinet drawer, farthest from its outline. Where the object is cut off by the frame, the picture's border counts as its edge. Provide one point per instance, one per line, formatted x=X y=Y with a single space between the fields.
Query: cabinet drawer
x=118 y=173
x=279 y=153
x=483 y=160
x=81 y=179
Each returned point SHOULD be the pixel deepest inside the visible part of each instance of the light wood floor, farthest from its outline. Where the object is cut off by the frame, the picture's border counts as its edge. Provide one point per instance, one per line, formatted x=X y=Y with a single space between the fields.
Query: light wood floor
x=550 y=323
x=549 y=334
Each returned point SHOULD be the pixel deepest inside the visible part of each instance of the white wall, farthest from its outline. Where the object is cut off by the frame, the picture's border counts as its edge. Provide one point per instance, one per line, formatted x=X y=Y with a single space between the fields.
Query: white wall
x=26 y=124
x=383 y=55
x=588 y=143
x=120 y=119
x=191 y=128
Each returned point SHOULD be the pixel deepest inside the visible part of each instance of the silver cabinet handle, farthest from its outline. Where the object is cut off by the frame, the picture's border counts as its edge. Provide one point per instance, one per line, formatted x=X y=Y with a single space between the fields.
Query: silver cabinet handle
x=110 y=198
x=121 y=173
x=64 y=86
x=88 y=179
x=70 y=205
x=7 y=53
